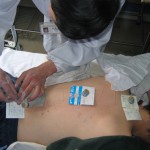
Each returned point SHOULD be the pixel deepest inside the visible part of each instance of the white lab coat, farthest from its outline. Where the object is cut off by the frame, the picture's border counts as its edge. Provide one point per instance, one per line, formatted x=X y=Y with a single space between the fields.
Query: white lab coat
x=66 y=54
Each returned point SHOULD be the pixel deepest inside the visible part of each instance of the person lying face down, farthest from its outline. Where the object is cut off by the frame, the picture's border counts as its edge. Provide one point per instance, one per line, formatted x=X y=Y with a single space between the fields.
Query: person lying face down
x=57 y=119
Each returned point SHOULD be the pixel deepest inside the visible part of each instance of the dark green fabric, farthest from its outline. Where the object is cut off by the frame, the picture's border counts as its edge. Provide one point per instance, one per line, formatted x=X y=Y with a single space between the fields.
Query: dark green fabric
x=99 y=143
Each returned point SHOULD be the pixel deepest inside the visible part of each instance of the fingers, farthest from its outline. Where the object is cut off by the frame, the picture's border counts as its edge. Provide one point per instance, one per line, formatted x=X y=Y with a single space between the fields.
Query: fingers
x=33 y=89
x=32 y=83
x=20 y=80
x=7 y=89
x=36 y=92
x=26 y=89
x=9 y=81
x=2 y=96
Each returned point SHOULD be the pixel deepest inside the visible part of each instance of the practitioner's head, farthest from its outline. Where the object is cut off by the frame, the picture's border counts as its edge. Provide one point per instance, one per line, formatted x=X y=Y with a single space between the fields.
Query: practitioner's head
x=142 y=128
x=81 y=19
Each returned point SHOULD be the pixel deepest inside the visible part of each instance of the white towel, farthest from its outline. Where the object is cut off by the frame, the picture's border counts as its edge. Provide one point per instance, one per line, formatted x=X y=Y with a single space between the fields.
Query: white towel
x=15 y=62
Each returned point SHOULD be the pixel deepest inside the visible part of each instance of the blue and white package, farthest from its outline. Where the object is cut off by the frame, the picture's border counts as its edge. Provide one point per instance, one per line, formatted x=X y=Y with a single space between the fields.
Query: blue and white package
x=81 y=95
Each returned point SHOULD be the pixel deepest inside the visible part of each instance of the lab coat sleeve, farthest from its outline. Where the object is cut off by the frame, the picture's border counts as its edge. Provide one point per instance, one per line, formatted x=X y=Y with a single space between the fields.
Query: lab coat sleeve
x=74 y=53
x=7 y=15
x=43 y=6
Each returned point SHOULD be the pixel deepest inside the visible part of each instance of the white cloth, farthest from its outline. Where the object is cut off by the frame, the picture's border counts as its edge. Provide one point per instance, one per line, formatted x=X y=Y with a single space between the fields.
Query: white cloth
x=124 y=72
x=26 y=146
x=79 y=52
x=15 y=62
x=141 y=89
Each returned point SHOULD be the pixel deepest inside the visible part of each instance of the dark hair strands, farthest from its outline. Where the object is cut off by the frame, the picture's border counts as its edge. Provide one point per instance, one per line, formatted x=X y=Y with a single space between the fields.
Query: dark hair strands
x=80 y=19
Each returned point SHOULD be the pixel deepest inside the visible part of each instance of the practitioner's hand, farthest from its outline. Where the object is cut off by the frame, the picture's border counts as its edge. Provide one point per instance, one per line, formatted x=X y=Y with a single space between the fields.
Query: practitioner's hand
x=33 y=80
x=7 y=89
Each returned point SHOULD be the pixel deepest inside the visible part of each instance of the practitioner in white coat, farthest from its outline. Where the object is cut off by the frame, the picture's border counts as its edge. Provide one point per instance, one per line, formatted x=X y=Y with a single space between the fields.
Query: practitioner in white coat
x=83 y=30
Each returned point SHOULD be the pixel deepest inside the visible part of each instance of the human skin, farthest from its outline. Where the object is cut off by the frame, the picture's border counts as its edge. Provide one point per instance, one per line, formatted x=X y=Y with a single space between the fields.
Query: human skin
x=57 y=119
x=33 y=80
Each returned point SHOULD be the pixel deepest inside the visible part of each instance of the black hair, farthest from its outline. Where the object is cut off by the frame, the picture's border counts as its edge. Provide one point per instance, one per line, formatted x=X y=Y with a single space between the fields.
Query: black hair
x=81 y=19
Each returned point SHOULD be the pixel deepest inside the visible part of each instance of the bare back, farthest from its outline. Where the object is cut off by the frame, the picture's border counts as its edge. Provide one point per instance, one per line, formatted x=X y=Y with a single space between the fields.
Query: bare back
x=57 y=119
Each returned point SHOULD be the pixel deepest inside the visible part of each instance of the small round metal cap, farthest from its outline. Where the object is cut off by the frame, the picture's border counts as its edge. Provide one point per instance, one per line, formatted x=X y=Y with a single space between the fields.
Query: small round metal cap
x=25 y=104
x=131 y=100
x=85 y=93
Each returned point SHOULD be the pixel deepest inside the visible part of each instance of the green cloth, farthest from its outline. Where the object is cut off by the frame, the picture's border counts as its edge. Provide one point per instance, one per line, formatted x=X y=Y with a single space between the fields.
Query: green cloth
x=98 y=143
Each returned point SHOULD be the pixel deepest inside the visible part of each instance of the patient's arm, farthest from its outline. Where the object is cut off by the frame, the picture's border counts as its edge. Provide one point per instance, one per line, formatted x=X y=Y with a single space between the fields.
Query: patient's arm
x=57 y=119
